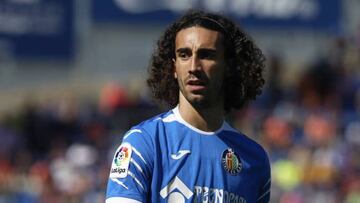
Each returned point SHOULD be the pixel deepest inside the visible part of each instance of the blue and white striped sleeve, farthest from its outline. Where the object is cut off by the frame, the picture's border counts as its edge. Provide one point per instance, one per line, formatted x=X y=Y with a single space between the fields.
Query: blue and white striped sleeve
x=131 y=168
x=265 y=188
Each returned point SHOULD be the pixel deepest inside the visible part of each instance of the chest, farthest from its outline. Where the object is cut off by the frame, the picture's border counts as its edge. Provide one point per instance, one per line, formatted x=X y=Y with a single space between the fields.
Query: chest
x=206 y=167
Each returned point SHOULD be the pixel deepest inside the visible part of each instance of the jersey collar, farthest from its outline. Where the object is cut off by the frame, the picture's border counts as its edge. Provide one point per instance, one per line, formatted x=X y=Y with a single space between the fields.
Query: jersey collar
x=181 y=120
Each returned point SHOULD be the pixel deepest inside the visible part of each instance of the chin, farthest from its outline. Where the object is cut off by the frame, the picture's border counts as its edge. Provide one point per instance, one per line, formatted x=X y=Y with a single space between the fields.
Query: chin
x=198 y=101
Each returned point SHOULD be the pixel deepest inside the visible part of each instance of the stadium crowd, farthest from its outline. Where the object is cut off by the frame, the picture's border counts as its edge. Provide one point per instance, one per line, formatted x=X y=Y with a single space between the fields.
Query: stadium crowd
x=60 y=150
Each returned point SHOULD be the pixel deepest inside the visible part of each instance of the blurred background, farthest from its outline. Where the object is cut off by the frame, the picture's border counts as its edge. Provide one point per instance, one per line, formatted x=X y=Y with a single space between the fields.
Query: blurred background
x=72 y=82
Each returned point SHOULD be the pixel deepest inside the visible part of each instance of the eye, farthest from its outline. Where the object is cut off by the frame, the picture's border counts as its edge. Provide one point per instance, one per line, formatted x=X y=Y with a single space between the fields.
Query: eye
x=207 y=54
x=184 y=55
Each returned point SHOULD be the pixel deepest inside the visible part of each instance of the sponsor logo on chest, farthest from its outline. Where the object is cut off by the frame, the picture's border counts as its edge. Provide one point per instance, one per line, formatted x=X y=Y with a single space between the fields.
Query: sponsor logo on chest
x=215 y=195
x=178 y=192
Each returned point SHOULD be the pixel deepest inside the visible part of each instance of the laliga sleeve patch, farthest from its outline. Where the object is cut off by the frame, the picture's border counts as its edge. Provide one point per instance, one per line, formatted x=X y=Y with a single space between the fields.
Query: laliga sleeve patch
x=120 y=164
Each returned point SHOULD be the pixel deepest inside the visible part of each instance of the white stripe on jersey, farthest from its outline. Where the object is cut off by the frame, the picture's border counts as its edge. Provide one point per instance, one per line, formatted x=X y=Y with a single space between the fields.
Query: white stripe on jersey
x=267 y=182
x=136 y=180
x=120 y=200
x=136 y=165
x=119 y=182
x=131 y=132
x=265 y=193
x=139 y=154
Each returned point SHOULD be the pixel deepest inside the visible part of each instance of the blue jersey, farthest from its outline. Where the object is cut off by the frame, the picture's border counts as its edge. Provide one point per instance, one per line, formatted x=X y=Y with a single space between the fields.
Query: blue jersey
x=165 y=159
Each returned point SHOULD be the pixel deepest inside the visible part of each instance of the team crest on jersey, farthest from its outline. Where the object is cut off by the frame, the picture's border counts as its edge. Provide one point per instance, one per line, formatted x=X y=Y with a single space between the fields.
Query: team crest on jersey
x=120 y=164
x=231 y=162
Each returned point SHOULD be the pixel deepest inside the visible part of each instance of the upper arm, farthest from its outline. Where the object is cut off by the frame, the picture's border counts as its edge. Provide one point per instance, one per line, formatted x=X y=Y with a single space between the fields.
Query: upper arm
x=131 y=168
x=264 y=193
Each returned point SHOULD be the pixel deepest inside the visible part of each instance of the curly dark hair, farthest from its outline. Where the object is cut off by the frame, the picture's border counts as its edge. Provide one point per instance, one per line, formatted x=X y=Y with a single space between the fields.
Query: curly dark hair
x=244 y=80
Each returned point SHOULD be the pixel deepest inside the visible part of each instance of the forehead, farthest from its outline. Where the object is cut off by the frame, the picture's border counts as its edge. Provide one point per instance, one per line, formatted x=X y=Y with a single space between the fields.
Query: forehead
x=199 y=37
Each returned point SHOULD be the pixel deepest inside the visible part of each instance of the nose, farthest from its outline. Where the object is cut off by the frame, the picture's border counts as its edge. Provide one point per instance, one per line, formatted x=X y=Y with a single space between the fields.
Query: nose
x=195 y=64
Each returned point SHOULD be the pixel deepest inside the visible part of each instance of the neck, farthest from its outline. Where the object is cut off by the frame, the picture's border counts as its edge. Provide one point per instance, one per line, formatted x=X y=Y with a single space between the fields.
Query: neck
x=207 y=119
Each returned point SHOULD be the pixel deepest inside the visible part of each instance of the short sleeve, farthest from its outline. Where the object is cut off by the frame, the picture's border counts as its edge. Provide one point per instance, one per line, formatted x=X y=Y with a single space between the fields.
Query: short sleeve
x=264 y=193
x=131 y=168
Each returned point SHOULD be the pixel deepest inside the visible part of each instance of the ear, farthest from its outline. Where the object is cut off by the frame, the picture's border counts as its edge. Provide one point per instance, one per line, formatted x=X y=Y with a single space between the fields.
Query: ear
x=174 y=64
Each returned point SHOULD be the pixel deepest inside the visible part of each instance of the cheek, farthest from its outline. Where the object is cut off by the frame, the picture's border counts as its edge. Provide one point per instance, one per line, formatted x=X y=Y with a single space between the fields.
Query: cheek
x=216 y=71
x=179 y=70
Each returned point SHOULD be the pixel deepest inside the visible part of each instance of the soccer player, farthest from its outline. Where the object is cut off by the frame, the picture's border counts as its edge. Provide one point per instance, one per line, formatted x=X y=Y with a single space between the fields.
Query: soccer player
x=204 y=66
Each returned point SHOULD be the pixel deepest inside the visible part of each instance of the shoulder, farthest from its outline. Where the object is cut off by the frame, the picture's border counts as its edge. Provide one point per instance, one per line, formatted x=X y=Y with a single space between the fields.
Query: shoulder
x=246 y=142
x=150 y=127
x=165 y=117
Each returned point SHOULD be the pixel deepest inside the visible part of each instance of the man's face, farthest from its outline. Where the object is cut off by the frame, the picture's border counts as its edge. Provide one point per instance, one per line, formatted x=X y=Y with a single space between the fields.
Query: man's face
x=200 y=66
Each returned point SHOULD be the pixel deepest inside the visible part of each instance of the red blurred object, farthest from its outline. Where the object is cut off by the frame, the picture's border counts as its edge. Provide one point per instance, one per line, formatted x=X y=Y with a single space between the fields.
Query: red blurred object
x=278 y=132
x=319 y=130
x=113 y=96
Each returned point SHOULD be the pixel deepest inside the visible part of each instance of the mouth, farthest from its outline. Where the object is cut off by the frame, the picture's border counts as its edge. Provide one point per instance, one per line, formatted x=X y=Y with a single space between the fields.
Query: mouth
x=196 y=84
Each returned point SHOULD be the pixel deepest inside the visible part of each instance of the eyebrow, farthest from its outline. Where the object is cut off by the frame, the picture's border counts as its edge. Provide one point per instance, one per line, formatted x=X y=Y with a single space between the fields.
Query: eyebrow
x=182 y=50
x=212 y=50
